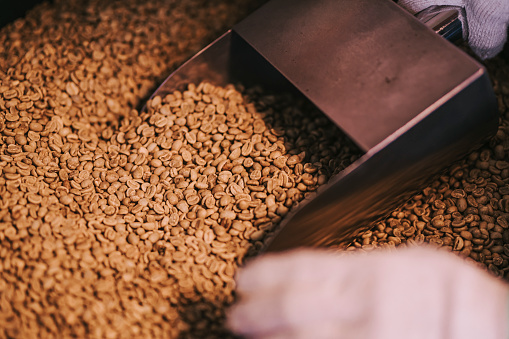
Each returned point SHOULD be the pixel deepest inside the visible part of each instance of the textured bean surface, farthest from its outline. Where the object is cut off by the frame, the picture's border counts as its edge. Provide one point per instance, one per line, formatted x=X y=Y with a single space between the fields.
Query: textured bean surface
x=77 y=260
x=120 y=224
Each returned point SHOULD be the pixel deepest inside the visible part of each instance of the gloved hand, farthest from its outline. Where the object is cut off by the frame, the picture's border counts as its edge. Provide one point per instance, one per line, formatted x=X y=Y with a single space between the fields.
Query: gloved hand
x=409 y=293
x=486 y=21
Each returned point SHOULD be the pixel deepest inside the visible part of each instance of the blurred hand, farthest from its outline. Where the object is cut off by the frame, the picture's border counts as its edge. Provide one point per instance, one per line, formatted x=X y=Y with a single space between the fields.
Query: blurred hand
x=409 y=293
x=486 y=21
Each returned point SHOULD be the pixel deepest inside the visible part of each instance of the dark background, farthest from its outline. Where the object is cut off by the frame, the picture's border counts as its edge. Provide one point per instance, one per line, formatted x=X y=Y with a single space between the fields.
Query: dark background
x=10 y=10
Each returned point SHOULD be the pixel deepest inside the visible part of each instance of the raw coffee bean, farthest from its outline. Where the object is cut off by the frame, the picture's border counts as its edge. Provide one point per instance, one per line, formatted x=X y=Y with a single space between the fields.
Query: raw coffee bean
x=152 y=194
x=112 y=205
x=110 y=213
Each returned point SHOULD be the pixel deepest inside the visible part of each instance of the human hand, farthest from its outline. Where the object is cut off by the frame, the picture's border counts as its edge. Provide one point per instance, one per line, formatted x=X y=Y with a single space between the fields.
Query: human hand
x=486 y=21
x=409 y=293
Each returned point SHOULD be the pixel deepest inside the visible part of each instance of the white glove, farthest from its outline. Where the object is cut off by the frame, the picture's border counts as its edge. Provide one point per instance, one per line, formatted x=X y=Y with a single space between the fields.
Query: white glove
x=410 y=293
x=487 y=21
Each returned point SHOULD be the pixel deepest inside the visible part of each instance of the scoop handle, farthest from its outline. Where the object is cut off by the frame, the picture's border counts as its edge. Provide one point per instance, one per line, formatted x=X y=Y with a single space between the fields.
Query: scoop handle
x=444 y=20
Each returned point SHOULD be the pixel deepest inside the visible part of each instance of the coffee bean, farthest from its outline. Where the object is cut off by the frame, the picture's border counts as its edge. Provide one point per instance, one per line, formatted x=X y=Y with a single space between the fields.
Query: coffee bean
x=111 y=211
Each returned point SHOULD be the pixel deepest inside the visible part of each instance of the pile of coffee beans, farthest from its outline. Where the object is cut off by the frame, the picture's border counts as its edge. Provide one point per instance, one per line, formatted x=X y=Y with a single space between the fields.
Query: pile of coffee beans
x=86 y=233
x=121 y=223
x=116 y=222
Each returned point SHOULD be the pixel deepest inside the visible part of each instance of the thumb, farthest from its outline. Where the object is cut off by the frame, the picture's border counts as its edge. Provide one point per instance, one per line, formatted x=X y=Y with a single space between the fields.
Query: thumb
x=487 y=26
x=415 y=6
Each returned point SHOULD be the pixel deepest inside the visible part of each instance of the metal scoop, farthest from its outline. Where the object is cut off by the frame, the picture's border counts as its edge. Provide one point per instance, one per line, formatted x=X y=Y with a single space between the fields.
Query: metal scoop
x=412 y=101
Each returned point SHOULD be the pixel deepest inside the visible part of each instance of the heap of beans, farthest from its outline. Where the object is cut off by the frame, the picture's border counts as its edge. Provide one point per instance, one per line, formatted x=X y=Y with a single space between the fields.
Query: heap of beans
x=72 y=265
x=121 y=223
x=117 y=223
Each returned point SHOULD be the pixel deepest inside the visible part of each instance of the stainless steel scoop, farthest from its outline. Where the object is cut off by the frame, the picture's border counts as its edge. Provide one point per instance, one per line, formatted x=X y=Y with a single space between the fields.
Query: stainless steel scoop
x=412 y=101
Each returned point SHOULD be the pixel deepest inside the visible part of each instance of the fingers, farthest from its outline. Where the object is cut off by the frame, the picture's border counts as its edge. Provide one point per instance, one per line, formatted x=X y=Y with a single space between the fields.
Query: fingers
x=280 y=293
x=256 y=314
x=287 y=293
x=487 y=24
x=316 y=294
x=315 y=331
x=266 y=286
x=277 y=269
x=292 y=311
x=415 y=6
